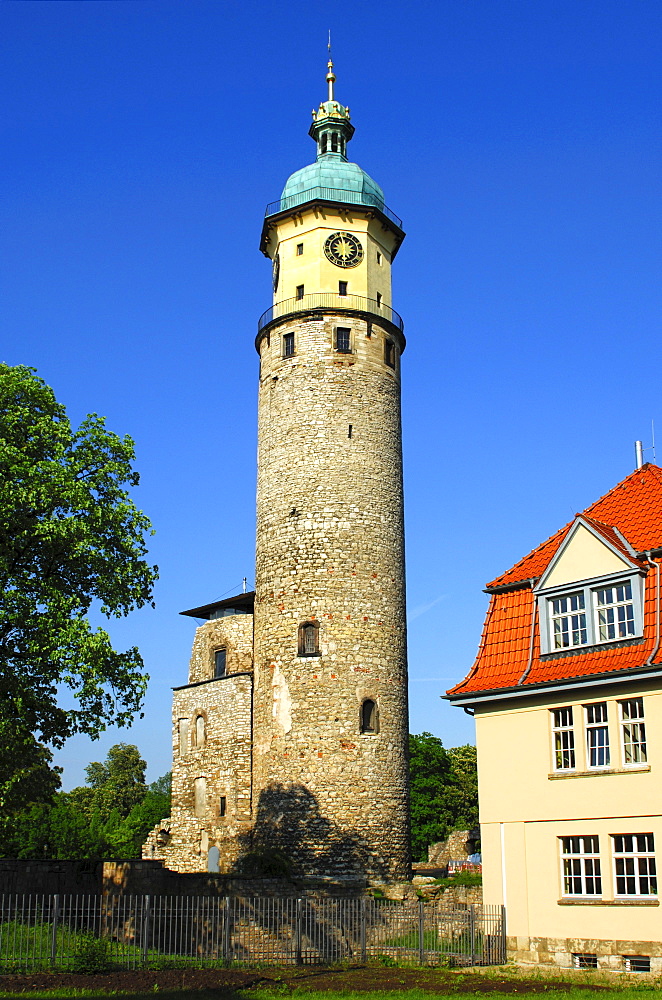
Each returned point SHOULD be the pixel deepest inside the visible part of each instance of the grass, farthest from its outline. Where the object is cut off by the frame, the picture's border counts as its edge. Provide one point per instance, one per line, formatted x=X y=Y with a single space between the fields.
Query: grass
x=643 y=992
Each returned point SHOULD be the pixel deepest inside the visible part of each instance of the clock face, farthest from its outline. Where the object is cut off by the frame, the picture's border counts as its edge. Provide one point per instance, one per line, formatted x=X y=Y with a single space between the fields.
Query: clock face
x=275 y=271
x=343 y=250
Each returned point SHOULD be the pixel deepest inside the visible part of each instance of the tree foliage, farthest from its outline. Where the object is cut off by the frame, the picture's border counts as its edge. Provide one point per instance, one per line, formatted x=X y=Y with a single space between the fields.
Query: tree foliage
x=109 y=817
x=71 y=540
x=443 y=789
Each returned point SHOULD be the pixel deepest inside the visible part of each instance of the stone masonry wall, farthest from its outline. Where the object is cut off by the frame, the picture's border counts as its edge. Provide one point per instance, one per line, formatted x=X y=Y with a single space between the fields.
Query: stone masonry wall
x=235 y=633
x=212 y=756
x=559 y=951
x=330 y=549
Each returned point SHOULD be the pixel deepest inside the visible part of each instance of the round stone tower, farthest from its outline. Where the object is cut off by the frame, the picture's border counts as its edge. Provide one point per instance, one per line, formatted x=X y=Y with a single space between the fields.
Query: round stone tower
x=330 y=788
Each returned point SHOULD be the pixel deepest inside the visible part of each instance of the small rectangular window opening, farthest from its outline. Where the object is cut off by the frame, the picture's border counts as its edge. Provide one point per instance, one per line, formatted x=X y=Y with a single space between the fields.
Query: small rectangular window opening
x=637 y=963
x=583 y=960
x=288 y=345
x=300 y=291
x=379 y=257
x=220 y=662
x=309 y=639
x=343 y=339
x=389 y=353
x=222 y=805
x=349 y=432
x=342 y=288
x=379 y=298
x=299 y=249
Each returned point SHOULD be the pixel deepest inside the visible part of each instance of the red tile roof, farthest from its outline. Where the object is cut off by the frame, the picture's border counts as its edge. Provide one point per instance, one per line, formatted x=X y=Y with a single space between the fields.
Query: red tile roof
x=633 y=510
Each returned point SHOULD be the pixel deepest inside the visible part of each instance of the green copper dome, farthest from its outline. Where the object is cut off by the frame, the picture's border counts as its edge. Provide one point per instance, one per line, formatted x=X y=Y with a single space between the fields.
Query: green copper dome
x=333 y=178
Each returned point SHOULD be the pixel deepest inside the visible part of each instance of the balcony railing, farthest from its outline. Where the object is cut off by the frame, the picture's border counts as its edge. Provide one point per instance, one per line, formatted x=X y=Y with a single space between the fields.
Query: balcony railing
x=332 y=194
x=325 y=301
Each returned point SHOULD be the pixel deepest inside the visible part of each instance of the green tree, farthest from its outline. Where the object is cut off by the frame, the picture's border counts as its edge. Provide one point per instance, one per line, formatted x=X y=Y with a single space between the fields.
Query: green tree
x=119 y=783
x=71 y=540
x=443 y=790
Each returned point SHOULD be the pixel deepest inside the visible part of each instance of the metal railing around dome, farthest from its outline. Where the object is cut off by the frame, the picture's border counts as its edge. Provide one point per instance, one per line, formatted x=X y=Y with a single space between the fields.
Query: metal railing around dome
x=366 y=199
x=331 y=301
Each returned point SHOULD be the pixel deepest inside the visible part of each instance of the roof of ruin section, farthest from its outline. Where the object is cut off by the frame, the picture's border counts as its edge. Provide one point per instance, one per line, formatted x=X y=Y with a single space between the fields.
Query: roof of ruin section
x=630 y=514
x=243 y=601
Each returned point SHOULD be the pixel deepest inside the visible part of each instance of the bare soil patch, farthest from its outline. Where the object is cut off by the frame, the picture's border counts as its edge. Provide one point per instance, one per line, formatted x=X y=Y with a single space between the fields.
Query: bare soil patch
x=226 y=982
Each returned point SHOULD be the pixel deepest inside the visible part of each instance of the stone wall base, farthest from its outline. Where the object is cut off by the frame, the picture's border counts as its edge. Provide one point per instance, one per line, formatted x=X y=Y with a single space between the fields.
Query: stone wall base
x=560 y=952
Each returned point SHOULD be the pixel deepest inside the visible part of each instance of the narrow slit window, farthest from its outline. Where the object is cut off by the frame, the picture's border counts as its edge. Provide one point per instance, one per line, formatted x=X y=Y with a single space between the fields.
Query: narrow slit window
x=379 y=299
x=220 y=662
x=222 y=805
x=379 y=257
x=389 y=353
x=300 y=291
x=200 y=796
x=342 y=288
x=343 y=340
x=200 y=734
x=183 y=737
x=369 y=716
x=288 y=345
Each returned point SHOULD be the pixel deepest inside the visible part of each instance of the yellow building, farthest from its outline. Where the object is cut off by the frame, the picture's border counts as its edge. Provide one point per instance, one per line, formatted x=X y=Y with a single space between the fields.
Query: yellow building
x=567 y=695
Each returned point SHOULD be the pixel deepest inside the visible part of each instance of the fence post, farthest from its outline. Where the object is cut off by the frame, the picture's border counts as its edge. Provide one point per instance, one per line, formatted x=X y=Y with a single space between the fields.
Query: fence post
x=226 y=930
x=421 y=932
x=297 y=934
x=472 y=931
x=364 y=949
x=55 y=918
x=145 y=928
x=504 y=940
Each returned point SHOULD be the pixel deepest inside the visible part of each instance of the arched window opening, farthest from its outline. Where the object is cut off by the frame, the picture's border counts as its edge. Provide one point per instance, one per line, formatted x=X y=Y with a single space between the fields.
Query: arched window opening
x=369 y=716
x=325 y=140
x=309 y=639
x=334 y=142
x=200 y=731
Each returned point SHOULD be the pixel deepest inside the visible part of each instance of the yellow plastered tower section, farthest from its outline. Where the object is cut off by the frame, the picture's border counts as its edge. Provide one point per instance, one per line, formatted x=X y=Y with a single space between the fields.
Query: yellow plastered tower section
x=299 y=241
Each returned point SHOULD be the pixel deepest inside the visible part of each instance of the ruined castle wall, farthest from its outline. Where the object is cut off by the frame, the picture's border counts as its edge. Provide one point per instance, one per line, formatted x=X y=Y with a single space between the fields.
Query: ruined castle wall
x=211 y=773
x=330 y=549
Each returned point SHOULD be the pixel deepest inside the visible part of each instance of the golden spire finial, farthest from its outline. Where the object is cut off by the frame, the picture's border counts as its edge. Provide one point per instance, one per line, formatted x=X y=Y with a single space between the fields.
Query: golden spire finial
x=330 y=76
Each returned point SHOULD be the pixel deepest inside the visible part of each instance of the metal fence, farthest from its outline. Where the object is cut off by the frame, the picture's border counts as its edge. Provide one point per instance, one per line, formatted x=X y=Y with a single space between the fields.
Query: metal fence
x=92 y=933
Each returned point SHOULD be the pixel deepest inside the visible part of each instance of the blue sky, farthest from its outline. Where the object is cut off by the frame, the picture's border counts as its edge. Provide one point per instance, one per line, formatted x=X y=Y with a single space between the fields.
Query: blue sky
x=519 y=142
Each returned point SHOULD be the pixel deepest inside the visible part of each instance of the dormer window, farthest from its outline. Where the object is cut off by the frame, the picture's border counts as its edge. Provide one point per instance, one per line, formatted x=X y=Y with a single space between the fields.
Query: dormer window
x=605 y=606
x=594 y=614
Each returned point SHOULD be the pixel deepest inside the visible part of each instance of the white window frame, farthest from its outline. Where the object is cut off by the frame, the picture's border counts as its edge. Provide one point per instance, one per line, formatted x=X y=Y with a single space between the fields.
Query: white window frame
x=563 y=739
x=632 y=724
x=590 y=589
x=581 y=861
x=639 y=850
x=596 y=722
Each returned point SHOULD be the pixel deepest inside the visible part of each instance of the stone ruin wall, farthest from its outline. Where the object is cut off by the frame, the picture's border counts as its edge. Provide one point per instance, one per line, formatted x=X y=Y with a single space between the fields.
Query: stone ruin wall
x=218 y=751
